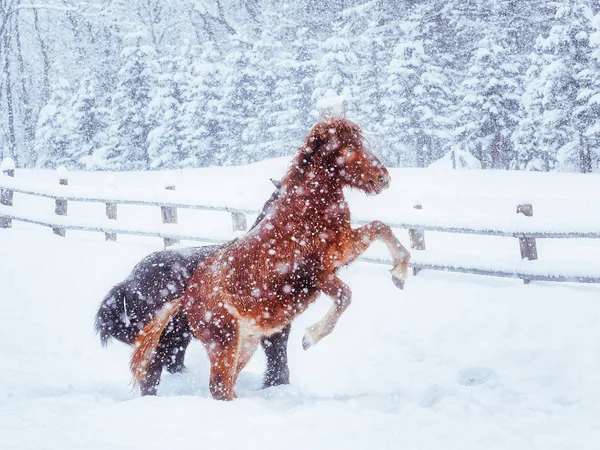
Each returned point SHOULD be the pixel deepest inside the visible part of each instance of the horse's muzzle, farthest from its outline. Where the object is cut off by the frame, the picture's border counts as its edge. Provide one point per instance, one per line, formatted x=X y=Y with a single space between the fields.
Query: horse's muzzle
x=384 y=181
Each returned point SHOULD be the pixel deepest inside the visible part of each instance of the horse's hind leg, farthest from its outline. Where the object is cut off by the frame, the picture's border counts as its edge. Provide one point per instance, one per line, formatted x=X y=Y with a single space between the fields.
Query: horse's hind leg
x=221 y=338
x=176 y=357
x=149 y=384
x=247 y=349
x=173 y=344
x=169 y=354
x=275 y=347
x=223 y=369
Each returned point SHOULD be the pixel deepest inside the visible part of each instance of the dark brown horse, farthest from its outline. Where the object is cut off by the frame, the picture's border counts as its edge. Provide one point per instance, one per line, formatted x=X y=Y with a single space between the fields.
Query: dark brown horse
x=158 y=279
x=257 y=285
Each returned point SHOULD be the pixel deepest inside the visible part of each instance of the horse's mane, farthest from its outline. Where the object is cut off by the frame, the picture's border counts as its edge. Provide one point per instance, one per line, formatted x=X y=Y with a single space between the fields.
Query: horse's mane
x=335 y=131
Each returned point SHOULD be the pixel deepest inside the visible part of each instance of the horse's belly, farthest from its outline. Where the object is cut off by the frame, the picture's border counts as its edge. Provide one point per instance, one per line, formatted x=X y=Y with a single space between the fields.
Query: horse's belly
x=270 y=313
x=255 y=322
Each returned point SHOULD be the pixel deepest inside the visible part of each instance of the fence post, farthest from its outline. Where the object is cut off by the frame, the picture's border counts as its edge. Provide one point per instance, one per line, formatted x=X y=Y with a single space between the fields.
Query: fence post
x=111 y=213
x=6 y=195
x=239 y=222
x=60 y=204
x=527 y=245
x=169 y=215
x=417 y=239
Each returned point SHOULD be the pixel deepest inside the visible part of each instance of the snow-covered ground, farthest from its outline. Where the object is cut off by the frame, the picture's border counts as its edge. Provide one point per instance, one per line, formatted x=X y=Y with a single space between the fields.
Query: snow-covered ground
x=453 y=361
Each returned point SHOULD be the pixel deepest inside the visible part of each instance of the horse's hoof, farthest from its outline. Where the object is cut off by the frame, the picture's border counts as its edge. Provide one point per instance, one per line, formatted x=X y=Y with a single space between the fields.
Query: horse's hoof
x=307 y=342
x=277 y=379
x=399 y=282
x=147 y=390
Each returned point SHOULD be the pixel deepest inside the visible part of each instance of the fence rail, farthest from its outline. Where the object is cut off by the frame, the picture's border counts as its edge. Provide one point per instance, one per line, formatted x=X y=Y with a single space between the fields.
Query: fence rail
x=59 y=224
x=91 y=198
x=421 y=263
x=168 y=202
x=483 y=231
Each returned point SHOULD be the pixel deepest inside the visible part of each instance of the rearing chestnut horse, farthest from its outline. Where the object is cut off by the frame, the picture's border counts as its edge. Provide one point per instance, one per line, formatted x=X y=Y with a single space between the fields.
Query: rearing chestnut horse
x=257 y=285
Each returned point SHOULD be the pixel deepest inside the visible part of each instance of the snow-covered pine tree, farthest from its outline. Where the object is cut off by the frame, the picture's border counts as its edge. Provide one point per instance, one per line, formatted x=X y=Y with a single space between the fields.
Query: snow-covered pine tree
x=303 y=71
x=205 y=117
x=55 y=128
x=166 y=112
x=90 y=119
x=374 y=42
x=335 y=75
x=530 y=151
x=293 y=111
x=239 y=104
x=559 y=59
x=257 y=140
x=288 y=56
x=417 y=102
x=569 y=43
x=403 y=75
x=436 y=97
x=489 y=109
x=587 y=111
x=130 y=124
x=435 y=105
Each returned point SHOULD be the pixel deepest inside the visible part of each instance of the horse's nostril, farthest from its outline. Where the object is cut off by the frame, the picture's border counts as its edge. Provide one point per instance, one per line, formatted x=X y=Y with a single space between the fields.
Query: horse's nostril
x=384 y=182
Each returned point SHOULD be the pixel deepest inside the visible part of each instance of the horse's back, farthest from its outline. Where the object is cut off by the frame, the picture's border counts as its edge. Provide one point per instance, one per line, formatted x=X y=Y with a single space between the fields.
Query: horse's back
x=157 y=279
x=177 y=264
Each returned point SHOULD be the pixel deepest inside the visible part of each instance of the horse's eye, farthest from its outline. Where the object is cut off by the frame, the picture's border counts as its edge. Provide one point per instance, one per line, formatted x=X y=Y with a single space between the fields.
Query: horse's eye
x=350 y=149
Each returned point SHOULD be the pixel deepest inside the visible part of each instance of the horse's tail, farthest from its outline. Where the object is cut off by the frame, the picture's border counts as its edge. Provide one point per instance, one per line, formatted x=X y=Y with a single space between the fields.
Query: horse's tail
x=147 y=339
x=111 y=318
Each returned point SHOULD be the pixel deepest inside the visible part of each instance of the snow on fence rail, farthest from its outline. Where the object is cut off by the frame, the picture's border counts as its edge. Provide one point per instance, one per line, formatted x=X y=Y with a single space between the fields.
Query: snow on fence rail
x=416 y=222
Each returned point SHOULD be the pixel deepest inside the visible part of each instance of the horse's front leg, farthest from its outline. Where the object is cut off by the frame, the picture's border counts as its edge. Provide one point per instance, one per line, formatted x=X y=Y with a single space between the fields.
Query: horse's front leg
x=363 y=237
x=341 y=295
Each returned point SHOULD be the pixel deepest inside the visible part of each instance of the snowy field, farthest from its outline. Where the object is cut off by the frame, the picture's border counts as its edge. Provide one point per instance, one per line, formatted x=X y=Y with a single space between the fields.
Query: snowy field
x=452 y=362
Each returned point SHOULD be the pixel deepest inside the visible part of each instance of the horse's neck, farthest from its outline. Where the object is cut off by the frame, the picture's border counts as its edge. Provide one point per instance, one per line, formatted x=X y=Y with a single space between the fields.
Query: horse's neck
x=318 y=203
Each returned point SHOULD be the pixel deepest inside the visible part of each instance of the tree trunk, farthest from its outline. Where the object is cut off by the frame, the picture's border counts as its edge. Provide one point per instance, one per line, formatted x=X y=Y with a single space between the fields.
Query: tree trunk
x=585 y=156
x=423 y=144
x=28 y=122
x=507 y=155
x=420 y=154
x=78 y=38
x=481 y=157
x=495 y=152
x=12 y=140
x=44 y=51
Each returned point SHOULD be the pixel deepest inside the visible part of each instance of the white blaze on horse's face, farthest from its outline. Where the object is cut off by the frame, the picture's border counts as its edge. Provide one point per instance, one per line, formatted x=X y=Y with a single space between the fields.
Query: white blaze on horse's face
x=361 y=169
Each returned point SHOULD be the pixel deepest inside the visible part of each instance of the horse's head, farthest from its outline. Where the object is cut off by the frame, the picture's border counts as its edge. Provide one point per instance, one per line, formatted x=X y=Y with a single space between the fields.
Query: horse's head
x=338 y=147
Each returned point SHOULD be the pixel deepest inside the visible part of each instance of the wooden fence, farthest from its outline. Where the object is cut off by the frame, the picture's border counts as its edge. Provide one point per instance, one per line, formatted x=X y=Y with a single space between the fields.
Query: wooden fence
x=168 y=208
